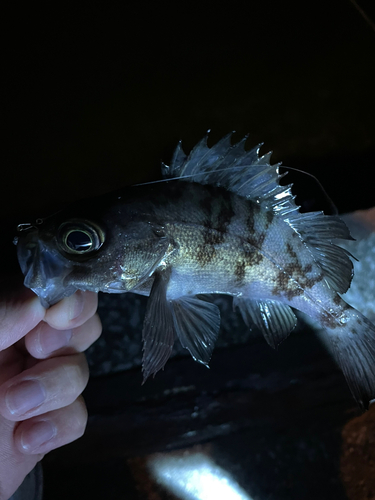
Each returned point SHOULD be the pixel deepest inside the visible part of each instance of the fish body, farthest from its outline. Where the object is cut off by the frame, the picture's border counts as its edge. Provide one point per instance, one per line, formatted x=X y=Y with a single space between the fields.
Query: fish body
x=220 y=223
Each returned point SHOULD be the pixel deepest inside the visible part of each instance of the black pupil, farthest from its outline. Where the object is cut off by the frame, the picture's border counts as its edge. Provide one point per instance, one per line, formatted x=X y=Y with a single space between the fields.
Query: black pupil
x=79 y=241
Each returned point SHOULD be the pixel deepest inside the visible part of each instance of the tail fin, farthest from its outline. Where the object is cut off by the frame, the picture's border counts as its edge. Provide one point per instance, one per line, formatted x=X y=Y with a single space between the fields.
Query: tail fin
x=353 y=346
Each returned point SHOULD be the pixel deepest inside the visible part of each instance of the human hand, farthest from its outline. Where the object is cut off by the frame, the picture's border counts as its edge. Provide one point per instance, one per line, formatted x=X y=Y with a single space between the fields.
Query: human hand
x=42 y=374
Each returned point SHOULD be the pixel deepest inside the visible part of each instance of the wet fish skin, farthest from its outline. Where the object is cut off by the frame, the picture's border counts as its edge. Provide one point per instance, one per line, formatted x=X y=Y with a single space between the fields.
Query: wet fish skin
x=220 y=224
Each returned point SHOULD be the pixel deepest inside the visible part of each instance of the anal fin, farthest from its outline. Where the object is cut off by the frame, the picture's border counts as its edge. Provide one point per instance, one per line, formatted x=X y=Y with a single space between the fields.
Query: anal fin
x=274 y=319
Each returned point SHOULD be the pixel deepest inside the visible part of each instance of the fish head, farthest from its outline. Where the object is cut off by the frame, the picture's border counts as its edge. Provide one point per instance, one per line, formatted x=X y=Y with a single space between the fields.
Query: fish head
x=112 y=248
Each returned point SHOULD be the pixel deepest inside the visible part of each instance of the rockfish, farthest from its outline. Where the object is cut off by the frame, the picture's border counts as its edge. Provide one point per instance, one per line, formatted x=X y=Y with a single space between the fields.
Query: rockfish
x=219 y=223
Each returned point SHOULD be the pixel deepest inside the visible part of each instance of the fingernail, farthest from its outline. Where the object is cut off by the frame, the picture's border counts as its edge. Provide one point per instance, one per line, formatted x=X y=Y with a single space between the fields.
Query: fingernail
x=38 y=434
x=75 y=305
x=24 y=396
x=56 y=339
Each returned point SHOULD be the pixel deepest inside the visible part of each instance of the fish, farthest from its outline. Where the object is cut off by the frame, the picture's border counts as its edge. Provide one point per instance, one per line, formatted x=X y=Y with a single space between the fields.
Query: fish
x=218 y=222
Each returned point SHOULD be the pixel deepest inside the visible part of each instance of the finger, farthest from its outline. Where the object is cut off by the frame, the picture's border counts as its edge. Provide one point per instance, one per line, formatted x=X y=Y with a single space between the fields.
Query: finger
x=49 y=385
x=20 y=312
x=72 y=311
x=53 y=429
x=44 y=341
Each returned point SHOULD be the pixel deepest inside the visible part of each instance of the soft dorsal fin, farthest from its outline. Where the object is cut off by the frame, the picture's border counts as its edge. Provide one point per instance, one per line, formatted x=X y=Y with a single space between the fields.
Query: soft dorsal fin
x=232 y=167
x=274 y=319
x=317 y=231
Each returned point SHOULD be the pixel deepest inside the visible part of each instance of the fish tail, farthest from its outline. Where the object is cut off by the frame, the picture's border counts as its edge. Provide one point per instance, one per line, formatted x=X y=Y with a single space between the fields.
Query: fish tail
x=353 y=346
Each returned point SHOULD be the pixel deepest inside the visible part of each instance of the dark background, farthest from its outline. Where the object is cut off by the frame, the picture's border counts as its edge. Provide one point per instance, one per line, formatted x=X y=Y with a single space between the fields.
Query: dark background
x=95 y=95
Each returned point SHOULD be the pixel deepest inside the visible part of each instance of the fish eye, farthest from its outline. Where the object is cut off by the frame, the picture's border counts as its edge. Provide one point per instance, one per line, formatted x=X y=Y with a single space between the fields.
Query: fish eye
x=78 y=241
x=79 y=238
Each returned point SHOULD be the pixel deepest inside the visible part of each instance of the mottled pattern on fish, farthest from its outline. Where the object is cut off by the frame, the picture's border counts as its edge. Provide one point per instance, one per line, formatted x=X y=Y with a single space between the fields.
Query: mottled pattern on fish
x=232 y=243
x=221 y=223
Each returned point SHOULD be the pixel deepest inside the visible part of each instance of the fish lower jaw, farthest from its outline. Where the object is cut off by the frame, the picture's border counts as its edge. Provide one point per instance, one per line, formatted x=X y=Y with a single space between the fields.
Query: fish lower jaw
x=51 y=294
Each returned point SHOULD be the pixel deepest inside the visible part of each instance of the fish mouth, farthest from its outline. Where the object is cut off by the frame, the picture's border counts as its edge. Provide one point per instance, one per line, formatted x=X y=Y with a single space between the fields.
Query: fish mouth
x=44 y=268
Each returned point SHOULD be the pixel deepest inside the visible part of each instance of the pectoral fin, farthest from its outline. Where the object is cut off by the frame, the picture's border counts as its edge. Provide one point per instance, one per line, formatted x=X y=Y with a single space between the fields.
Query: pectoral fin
x=274 y=319
x=158 y=330
x=197 y=324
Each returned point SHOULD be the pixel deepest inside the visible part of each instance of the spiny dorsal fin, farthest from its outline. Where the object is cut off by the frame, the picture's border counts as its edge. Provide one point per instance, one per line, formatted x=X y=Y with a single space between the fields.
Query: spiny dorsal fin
x=232 y=167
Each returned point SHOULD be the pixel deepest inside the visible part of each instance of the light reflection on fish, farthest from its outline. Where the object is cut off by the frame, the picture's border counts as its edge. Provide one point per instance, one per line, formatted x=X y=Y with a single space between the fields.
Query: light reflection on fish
x=221 y=223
